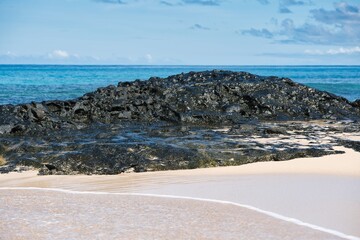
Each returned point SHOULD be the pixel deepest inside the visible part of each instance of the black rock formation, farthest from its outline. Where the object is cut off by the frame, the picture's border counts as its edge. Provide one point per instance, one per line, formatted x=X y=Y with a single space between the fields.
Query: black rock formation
x=164 y=123
x=211 y=97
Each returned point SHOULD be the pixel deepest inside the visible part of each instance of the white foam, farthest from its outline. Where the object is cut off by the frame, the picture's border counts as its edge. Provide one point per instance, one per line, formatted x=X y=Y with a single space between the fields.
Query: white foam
x=268 y=213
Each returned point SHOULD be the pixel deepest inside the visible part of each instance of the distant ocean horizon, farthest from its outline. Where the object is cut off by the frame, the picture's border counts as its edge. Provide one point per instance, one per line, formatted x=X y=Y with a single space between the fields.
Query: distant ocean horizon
x=27 y=83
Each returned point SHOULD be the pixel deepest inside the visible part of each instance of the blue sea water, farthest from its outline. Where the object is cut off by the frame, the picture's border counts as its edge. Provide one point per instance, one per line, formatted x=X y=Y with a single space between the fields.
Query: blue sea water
x=26 y=83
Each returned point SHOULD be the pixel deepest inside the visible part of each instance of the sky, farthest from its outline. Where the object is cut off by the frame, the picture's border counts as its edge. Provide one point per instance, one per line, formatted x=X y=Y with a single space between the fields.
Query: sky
x=180 y=32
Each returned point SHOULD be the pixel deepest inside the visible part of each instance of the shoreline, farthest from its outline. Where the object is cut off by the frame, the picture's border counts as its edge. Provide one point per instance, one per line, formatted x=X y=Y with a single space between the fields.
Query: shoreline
x=224 y=203
x=204 y=215
x=322 y=191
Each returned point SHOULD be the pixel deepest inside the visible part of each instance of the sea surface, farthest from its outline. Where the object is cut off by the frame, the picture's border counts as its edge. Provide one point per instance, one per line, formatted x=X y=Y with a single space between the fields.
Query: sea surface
x=26 y=83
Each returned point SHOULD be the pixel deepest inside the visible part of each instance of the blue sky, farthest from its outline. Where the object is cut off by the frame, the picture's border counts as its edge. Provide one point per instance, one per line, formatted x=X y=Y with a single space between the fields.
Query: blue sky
x=202 y=32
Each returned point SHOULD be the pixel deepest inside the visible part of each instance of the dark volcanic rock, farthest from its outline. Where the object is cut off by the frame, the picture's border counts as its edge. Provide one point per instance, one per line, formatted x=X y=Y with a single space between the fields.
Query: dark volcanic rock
x=211 y=97
x=356 y=103
x=350 y=144
x=166 y=123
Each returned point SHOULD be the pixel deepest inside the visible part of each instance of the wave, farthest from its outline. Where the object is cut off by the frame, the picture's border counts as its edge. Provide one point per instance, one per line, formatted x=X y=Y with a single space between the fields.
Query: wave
x=268 y=213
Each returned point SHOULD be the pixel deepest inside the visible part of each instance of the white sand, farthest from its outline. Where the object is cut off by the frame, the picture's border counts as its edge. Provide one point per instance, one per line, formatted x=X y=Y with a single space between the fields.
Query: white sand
x=53 y=215
x=323 y=191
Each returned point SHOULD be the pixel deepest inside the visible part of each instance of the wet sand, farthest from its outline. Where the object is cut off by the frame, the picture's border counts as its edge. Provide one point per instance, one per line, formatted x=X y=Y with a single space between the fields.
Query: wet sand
x=321 y=191
x=53 y=215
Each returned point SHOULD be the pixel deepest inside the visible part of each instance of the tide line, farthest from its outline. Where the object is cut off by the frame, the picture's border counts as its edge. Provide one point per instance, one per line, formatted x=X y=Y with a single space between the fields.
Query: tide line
x=268 y=213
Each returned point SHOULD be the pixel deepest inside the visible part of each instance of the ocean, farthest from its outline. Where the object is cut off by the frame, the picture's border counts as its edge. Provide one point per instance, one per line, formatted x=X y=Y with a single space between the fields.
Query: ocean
x=26 y=83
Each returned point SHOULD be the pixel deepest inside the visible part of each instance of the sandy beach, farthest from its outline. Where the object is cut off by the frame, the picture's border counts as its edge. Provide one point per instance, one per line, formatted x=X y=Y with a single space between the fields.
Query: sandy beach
x=180 y=119
x=284 y=200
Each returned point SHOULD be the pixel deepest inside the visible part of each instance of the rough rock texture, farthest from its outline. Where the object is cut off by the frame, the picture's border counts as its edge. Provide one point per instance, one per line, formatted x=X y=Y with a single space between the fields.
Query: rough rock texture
x=169 y=123
x=212 y=97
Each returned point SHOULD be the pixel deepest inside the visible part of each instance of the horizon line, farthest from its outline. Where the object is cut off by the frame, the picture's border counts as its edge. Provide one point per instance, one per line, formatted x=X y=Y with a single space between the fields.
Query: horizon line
x=185 y=65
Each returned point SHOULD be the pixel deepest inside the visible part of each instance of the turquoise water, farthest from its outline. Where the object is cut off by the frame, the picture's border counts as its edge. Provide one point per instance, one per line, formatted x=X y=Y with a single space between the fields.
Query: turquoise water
x=26 y=83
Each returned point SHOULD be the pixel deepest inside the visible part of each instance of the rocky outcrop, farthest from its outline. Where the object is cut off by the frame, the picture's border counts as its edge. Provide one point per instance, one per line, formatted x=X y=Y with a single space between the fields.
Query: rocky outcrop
x=205 y=98
x=170 y=123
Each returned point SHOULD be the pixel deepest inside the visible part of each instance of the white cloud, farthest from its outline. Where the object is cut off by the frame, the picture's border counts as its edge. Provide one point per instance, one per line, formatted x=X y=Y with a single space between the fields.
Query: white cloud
x=339 y=26
x=64 y=57
x=59 y=54
x=344 y=50
x=314 y=52
x=149 y=58
x=338 y=51
x=10 y=54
